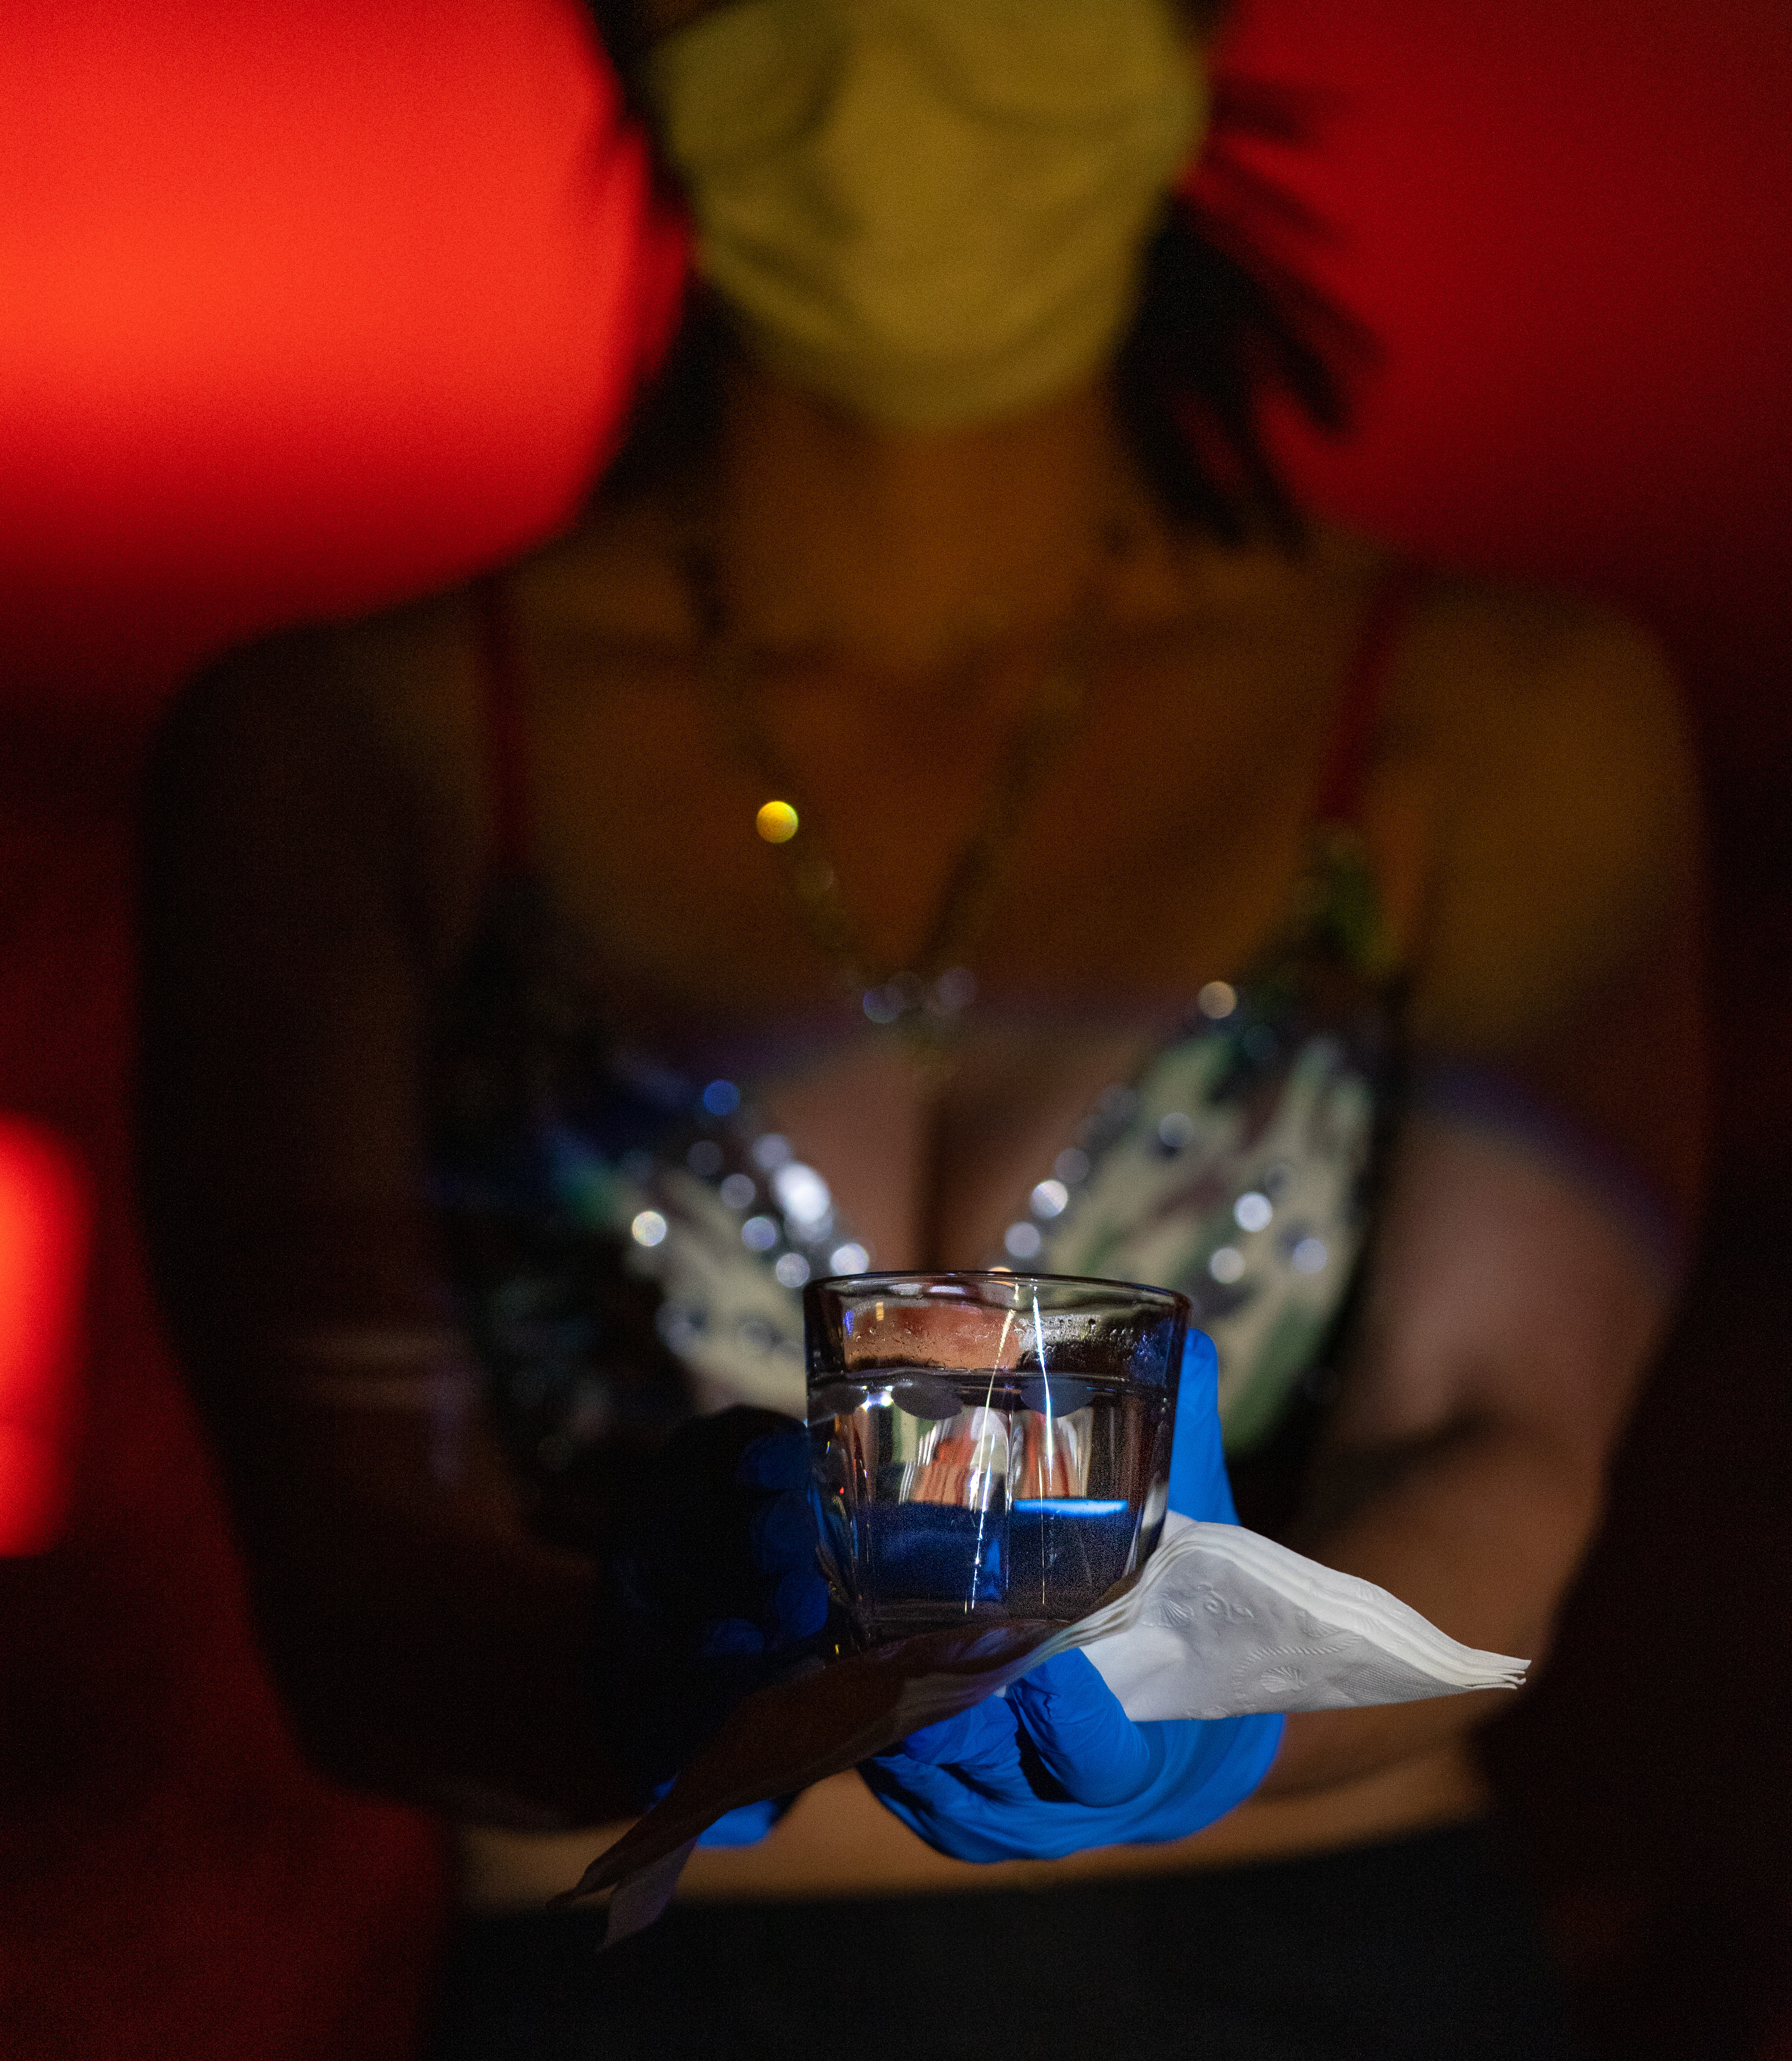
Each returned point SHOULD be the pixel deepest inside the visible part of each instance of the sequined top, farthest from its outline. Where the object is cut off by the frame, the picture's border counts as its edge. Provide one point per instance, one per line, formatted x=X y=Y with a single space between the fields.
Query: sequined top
x=628 y=1242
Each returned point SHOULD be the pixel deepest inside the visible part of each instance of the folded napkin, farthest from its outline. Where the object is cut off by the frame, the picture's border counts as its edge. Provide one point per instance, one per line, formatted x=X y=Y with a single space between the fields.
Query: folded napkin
x=1223 y=1621
x=1219 y=1622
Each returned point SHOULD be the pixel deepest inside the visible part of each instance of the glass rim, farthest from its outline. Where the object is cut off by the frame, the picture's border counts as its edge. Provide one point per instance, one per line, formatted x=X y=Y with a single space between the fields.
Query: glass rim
x=892 y=1282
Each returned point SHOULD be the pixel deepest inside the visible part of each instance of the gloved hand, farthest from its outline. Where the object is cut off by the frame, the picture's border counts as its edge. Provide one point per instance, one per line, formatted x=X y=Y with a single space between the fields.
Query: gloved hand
x=1056 y=1765
x=718 y=1577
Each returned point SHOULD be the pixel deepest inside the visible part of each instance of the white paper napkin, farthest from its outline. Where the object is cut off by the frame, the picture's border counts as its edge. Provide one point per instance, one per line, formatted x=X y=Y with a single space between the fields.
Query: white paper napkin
x=1223 y=1621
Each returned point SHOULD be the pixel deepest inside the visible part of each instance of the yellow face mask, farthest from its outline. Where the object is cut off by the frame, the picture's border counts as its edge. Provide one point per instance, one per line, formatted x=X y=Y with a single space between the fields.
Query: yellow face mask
x=931 y=211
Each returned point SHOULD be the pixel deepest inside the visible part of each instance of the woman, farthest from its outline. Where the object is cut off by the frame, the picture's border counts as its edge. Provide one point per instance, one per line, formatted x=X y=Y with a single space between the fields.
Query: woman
x=1174 y=893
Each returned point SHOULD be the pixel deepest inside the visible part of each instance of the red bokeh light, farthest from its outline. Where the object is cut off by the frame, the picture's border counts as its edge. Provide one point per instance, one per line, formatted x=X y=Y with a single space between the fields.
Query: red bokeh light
x=305 y=307
x=44 y=1214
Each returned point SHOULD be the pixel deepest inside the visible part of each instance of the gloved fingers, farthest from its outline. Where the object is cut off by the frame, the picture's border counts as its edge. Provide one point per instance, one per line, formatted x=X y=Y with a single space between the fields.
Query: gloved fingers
x=982 y=1737
x=716 y=1570
x=782 y=1533
x=729 y=1638
x=937 y=1807
x=1199 y=1770
x=1199 y=1485
x=781 y=1538
x=898 y=1777
x=747 y=1825
x=777 y=1460
x=740 y=1446
x=794 y=1609
x=1088 y=1743
x=799 y=1608
x=720 y=1485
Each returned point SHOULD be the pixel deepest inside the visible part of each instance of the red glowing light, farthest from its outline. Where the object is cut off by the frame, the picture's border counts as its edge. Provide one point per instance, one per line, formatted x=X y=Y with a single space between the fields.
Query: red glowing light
x=45 y=1218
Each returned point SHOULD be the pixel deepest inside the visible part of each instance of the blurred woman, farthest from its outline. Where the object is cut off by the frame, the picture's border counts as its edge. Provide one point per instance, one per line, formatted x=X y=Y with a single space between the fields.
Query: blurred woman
x=940 y=806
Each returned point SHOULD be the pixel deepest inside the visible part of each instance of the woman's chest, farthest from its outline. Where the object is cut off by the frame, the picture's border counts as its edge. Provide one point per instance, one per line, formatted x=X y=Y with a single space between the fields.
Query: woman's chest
x=695 y=1088
x=1224 y=1155
x=1155 y=848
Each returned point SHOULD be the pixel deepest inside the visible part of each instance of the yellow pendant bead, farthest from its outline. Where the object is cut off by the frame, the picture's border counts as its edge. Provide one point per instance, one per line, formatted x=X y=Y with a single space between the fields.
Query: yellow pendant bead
x=776 y=822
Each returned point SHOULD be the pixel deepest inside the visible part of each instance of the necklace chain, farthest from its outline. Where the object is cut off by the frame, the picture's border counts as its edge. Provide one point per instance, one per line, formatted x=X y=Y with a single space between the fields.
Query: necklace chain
x=922 y=1000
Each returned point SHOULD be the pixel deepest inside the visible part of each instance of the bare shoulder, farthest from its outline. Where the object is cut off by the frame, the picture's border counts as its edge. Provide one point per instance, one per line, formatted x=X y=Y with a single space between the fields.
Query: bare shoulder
x=399 y=676
x=335 y=749
x=362 y=743
x=1564 y=821
x=1535 y=674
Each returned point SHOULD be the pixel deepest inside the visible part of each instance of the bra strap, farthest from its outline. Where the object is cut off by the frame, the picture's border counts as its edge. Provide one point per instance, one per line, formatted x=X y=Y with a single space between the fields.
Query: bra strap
x=504 y=732
x=1338 y=798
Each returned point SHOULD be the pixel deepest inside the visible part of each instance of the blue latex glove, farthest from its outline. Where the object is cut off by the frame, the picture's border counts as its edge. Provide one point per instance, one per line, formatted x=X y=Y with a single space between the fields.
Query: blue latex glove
x=1056 y=1765
x=719 y=1577
x=1199 y=1486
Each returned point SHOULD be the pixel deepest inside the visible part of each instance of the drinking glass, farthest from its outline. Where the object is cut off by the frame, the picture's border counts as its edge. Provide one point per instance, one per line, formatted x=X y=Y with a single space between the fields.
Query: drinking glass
x=988 y=1446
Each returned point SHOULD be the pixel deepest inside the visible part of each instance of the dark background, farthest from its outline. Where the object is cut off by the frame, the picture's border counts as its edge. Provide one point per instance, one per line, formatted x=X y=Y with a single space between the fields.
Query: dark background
x=306 y=307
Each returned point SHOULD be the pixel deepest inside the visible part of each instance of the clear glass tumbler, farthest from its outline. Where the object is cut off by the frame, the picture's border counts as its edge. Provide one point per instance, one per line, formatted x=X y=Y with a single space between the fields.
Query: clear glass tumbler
x=989 y=1446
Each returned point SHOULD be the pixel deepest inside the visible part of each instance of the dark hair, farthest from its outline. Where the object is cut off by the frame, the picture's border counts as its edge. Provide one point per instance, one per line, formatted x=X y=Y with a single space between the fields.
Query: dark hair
x=1227 y=320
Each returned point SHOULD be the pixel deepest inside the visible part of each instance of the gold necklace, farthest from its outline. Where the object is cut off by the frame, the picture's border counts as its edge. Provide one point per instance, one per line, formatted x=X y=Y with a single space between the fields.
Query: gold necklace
x=922 y=1001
